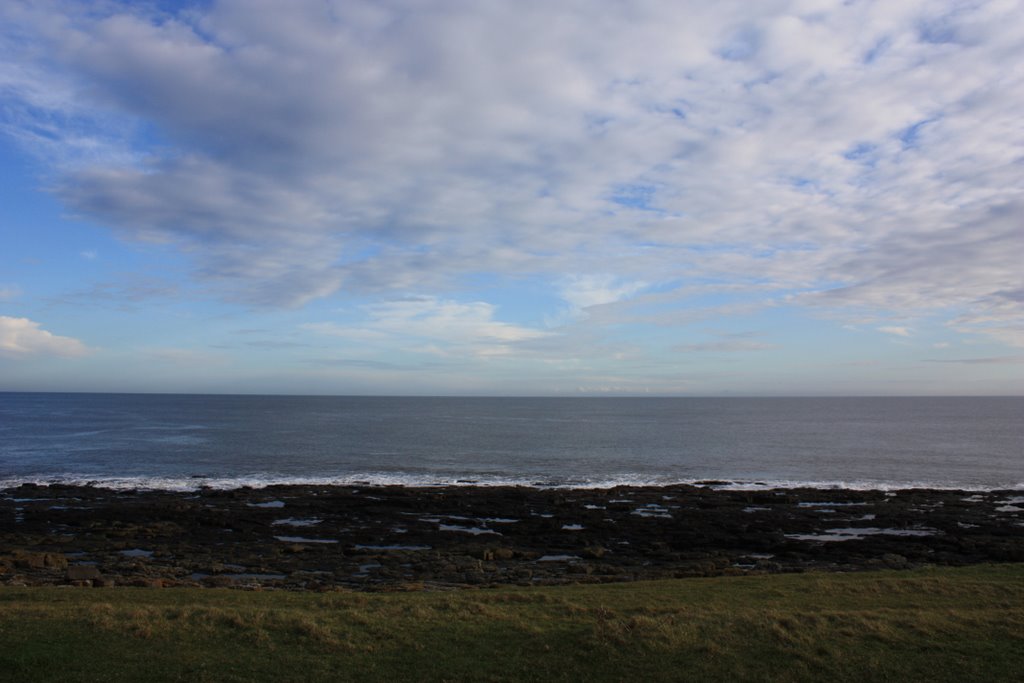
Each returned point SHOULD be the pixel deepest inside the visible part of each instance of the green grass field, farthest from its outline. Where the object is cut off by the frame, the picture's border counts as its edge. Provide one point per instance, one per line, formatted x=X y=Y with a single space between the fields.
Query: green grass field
x=932 y=625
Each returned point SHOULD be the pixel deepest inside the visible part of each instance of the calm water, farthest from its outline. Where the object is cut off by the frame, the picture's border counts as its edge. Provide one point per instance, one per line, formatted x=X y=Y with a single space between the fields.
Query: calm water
x=186 y=441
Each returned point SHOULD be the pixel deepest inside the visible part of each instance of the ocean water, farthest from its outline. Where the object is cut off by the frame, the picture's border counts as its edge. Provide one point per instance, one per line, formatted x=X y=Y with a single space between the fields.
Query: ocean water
x=186 y=441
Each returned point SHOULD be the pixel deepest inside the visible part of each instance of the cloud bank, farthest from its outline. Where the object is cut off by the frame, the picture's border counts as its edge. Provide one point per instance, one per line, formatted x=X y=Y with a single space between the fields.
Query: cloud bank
x=859 y=159
x=21 y=337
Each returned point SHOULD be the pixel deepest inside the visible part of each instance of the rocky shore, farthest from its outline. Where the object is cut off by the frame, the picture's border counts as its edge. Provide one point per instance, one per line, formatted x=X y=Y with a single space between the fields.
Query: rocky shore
x=397 y=538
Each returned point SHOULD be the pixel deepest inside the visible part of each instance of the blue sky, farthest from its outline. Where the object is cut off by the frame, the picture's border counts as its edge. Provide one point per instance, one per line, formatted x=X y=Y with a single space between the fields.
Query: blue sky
x=569 y=198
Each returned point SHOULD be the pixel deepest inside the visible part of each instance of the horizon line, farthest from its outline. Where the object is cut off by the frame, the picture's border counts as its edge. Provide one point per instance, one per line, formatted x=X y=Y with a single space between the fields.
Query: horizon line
x=502 y=396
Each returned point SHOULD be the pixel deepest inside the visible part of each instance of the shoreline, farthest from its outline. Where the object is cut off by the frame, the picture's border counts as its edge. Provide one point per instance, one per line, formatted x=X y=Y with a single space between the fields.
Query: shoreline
x=195 y=483
x=363 y=537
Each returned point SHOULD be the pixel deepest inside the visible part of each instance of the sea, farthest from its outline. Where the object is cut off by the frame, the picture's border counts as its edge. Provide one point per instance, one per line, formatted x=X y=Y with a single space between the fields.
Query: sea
x=183 y=442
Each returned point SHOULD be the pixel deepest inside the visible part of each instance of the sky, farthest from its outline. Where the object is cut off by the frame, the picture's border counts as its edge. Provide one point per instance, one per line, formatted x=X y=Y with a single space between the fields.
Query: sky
x=600 y=197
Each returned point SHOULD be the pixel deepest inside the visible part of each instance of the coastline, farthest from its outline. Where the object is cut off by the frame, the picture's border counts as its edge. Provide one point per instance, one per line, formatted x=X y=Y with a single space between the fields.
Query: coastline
x=324 y=537
x=194 y=483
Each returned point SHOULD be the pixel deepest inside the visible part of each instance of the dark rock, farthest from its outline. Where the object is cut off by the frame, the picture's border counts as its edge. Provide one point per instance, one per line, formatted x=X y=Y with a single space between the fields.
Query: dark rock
x=82 y=572
x=218 y=581
x=648 y=533
x=33 y=560
x=894 y=561
x=148 y=582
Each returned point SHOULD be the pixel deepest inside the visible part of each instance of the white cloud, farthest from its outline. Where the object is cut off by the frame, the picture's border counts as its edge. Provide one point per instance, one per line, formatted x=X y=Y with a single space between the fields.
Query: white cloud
x=860 y=158
x=21 y=337
x=896 y=330
x=435 y=326
x=584 y=291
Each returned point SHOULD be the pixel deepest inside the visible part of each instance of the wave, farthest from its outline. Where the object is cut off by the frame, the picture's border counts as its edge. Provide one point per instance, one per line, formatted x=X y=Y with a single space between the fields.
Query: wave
x=260 y=480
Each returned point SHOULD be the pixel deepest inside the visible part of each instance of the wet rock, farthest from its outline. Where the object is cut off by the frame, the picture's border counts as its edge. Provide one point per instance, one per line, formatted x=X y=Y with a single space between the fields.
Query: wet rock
x=624 y=533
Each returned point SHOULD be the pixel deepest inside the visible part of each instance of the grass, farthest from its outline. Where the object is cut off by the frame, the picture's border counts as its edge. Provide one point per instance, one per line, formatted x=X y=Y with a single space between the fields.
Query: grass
x=936 y=625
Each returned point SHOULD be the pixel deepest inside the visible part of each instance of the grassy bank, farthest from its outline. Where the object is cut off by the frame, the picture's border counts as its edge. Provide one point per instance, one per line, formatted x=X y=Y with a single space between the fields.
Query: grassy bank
x=936 y=625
